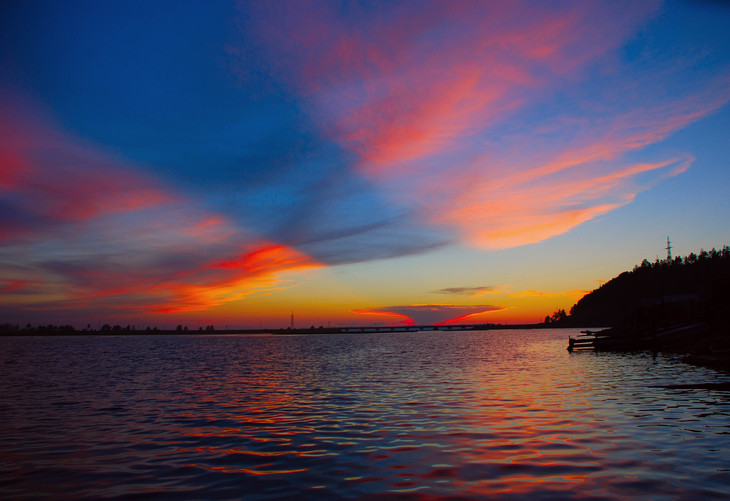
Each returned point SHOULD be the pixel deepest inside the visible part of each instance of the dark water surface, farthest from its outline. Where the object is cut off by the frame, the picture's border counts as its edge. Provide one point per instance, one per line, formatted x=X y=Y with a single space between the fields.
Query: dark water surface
x=498 y=414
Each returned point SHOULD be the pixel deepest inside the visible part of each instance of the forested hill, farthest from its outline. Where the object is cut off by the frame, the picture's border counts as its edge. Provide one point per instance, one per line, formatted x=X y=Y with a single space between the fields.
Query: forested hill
x=696 y=286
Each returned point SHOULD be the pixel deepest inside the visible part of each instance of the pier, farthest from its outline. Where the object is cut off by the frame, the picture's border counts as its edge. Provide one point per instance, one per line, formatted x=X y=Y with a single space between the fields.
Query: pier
x=586 y=340
x=697 y=338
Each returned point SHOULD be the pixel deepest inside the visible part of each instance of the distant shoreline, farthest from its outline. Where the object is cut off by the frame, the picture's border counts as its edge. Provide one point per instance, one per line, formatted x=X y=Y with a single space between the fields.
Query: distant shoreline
x=44 y=331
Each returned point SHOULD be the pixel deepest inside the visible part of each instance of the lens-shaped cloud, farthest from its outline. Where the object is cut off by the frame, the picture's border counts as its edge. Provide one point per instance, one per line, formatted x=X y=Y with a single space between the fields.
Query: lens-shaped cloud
x=431 y=314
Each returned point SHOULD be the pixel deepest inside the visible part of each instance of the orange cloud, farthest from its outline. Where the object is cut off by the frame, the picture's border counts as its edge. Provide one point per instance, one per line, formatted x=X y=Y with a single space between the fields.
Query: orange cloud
x=524 y=213
x=131 y=287
x=268 y=258
x=253 y=272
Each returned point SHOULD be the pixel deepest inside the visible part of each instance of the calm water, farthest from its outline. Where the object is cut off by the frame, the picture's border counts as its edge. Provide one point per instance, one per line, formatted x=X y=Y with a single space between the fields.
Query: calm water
x=499 y=414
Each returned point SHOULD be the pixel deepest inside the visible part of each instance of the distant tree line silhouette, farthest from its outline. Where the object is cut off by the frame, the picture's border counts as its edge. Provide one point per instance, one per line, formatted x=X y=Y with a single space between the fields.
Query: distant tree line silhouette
x=694 y=286
x=558 y=316
x=106 y=329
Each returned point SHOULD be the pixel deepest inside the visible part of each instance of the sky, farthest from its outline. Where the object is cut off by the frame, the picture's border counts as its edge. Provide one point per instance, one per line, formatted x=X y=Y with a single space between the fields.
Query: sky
x=353 y=163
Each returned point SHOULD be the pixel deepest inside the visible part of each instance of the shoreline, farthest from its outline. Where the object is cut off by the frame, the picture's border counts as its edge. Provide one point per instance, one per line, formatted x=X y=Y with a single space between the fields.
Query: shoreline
x=44 y=331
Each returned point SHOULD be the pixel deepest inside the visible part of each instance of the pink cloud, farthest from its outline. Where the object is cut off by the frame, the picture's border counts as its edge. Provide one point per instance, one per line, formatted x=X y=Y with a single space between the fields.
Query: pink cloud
x=408 y=83
x=490 y=216
x=453 y=109
x=85 y=231
x=14 y=285
x=50 y=177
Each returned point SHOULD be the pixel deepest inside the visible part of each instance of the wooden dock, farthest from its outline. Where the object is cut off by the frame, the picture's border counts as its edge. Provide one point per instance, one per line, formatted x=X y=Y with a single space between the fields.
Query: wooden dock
x=684 y=337
x=586 y=340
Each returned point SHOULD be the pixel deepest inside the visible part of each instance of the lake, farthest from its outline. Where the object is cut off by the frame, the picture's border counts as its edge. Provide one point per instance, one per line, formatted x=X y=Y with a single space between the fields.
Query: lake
x=485 y=414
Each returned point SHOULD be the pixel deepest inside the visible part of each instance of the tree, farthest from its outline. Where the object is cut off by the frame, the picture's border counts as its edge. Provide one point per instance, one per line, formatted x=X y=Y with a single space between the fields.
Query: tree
x=558 y=315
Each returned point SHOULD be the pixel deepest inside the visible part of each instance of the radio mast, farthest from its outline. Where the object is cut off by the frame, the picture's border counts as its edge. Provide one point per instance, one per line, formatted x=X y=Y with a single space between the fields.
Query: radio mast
x=669 y=249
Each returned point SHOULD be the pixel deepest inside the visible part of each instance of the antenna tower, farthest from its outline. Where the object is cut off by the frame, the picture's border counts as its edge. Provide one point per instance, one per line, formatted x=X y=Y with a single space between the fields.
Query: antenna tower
x=669 y=249
x=292 y=320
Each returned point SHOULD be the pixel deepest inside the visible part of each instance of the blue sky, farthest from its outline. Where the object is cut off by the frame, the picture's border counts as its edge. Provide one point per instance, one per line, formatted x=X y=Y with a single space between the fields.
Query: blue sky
x=229 y=162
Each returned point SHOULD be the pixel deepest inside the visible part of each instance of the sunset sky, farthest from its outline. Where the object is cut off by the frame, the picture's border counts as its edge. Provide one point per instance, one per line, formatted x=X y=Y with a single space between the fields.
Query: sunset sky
x=199 y=163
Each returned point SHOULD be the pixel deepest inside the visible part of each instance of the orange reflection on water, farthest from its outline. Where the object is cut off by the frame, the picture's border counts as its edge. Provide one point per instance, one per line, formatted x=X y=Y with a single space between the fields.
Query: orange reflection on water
x=530 y=428
x=433 y=415
x=260 y=472
x=491 y=417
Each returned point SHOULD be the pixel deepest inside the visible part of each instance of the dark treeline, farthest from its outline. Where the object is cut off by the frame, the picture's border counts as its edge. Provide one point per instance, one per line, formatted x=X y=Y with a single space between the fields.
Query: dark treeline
x=696 y=286
x=106 y=329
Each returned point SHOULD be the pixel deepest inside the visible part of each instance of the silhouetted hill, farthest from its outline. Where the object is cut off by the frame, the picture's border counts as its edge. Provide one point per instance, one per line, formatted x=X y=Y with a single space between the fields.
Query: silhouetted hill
x=693 y=287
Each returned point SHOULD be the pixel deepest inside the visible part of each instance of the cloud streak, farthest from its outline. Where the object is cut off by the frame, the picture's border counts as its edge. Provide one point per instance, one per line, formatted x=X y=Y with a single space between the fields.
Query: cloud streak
x=535 y=293
x=90 y=232
x=503 y=125
x=468 y=291
x=47 y=179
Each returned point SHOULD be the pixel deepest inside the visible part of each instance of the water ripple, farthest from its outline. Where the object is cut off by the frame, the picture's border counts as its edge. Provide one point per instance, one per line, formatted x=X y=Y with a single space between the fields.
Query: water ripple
x=411 y=416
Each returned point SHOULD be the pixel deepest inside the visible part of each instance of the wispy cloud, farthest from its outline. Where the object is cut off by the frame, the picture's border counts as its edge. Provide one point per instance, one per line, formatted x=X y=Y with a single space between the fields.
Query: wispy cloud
x=536 y=293
x=11 y=286
x=47 y=178
x=468 y=291
x=90 y=232
x=496 y=127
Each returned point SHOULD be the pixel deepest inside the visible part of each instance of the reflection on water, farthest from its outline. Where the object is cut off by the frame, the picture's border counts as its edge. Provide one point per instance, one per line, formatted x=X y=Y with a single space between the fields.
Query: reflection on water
x=425 y=415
